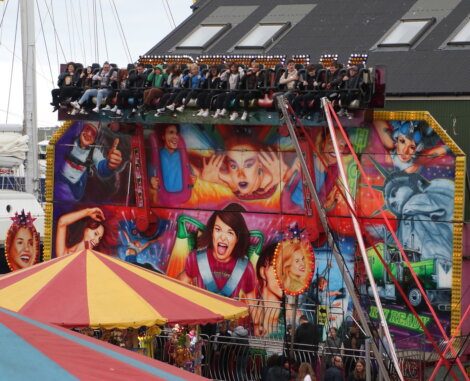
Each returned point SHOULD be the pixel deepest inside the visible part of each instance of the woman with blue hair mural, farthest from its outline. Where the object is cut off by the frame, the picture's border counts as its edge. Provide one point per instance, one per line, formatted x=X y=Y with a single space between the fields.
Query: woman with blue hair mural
x=406 y=141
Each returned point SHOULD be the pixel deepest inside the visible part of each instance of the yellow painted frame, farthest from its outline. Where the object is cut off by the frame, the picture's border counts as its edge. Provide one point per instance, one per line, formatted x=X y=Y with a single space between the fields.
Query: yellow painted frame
x=49 y=206
x=459 y=201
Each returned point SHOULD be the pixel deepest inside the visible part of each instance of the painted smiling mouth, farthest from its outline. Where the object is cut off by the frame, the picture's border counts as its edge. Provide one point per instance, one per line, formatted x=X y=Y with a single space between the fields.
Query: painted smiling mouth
x=93 y=243
x=25 y=257
x=222 y=248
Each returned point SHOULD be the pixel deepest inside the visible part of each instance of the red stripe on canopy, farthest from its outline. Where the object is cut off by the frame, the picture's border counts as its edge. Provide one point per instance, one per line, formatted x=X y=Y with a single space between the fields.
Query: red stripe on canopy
x=83 y=361
x=47 y=304
x=168 y=304
x=16 y=276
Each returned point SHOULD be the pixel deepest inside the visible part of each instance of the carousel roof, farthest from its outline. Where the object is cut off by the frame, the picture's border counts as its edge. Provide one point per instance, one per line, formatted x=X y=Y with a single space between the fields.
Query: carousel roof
x=96 y=290
x=32 y=350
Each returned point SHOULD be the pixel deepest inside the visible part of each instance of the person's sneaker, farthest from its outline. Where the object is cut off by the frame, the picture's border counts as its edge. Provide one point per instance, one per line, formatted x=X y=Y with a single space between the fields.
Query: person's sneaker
x=234 y=115
x=171 y=107
x=114 y=109
x=74 y=111
x=201 y=111
x=118 y=111
x=180 y=109
x=244 y=115
x=83 y=111
x=107 y=108
x=216 y=114
x=161 y=110
x=348 y=115
x=342 y=112
x=223 y=112
x=75 y=105
x=96 y=109
x=205 y=114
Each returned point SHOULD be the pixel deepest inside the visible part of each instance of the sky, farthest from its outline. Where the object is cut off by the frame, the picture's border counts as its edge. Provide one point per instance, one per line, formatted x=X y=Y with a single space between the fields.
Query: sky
x=144 y=23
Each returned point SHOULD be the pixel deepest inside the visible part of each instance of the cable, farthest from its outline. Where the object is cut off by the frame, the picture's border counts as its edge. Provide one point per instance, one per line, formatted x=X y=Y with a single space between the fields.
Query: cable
x=55 y=30
x=122 y=30
x=168 y=15
x=83 y=35
x=171 y=13
x=3 y=16
x=104 y=32
x=12 y=62
x=45 y=43
x=68 y=28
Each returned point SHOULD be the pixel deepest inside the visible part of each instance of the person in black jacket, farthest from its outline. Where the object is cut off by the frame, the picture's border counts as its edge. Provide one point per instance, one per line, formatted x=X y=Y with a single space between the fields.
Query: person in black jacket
x=211 y=88
x=335 y=371
x=310 y=86
x=304 y=340
x=136 y=84
x=69 y=86
x=250 y=87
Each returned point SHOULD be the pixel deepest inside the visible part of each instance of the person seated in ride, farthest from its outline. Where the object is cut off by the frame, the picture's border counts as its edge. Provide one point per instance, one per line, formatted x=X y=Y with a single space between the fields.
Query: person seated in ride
x=350 y=84
x=119 y=87
x=311 y=87
x=250 y=87
x=231 y=79
x=69 y=87
x=191 y=86
x=174 y=84
x=211 y=89
x=289 y=81
x=104 y=89
x=86 y=78
x=135 y=87
x=334 y=78
x=157 y=82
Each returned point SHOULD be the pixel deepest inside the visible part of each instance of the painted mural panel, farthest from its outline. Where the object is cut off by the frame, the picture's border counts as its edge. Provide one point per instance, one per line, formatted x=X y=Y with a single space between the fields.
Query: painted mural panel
x=221 y=197
x=211 y=166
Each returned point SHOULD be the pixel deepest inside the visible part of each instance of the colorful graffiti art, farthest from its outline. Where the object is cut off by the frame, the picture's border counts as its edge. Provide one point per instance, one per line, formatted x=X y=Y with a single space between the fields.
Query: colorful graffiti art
x=209 y=204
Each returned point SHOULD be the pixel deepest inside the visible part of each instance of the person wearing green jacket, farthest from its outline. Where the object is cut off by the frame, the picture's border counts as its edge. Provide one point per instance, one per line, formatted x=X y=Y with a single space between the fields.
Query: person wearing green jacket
x=157 y=79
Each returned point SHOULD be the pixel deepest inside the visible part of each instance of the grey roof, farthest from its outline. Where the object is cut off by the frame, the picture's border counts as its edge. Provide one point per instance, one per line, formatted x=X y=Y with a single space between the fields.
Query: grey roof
x=429 y=67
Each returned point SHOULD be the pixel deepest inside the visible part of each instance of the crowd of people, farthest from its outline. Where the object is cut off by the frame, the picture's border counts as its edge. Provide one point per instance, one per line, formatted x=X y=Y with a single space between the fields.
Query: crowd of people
x=225 y=90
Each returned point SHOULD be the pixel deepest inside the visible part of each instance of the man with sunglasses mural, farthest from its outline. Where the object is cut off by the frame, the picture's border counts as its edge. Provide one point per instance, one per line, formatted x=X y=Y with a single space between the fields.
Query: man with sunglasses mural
x=82 y=159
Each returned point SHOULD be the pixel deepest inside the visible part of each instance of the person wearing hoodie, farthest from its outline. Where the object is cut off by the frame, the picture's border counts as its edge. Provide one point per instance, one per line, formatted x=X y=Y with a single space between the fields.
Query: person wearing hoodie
x=192 y=84
x=157 y=80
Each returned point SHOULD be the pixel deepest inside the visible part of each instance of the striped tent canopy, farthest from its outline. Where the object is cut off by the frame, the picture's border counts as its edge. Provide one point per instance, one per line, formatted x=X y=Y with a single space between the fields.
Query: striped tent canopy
x=90 y=289
x=30 y=350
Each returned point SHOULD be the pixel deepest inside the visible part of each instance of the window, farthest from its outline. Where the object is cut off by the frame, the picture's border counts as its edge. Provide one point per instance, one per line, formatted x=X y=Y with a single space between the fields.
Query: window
x=262 y=36
x=203 y=36
x=406 y=32
x=462 y=37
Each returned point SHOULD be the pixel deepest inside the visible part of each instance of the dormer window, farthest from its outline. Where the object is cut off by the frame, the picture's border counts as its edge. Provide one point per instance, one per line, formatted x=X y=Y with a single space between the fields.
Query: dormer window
x=262 y=35
x=203 y=36
x=463 y=35
x=406 y=33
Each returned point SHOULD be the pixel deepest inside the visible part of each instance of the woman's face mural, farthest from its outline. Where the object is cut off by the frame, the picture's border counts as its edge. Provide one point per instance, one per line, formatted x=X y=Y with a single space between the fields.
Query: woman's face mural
x=23 y=252
x=298 y=264
x=93 y=236
x=244 y=170
x=224 y=240
x=406 y=148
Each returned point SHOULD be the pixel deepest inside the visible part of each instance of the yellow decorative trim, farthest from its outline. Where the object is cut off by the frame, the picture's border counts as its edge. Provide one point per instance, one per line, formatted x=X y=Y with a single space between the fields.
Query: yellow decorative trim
x=47 y=250
x=50 y=187
x=459 y=199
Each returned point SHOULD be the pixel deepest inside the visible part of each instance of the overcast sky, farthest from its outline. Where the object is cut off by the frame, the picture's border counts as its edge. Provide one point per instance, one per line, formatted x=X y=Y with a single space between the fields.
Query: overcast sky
x=144 y=23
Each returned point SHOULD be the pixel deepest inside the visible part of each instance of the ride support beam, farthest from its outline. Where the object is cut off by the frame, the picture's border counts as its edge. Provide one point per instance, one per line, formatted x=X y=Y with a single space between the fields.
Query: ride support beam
x=282 y=101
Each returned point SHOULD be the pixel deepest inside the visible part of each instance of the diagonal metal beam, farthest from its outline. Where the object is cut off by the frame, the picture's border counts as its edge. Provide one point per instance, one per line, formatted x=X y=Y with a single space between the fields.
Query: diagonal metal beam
x=281 y=101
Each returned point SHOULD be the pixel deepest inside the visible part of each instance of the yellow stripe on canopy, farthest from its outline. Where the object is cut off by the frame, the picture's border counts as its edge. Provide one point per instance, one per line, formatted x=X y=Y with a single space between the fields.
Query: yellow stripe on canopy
x=191 y=293
x=119 y=303
x=28 y=287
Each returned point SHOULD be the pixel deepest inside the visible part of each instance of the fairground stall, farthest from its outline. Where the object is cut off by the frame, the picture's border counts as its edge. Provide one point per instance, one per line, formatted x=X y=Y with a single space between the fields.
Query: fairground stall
x=276 y=181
